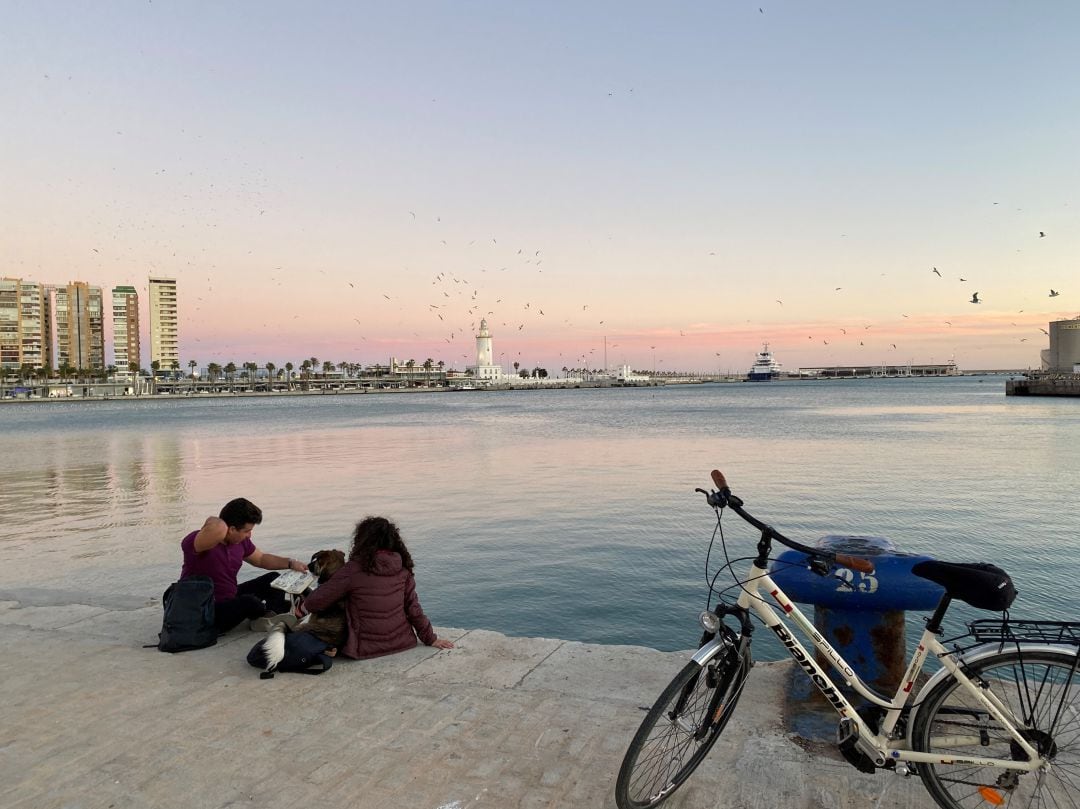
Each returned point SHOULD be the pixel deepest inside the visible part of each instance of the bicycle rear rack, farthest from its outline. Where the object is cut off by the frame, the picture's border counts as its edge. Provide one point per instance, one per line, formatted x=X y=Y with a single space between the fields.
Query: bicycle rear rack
x=998 y=630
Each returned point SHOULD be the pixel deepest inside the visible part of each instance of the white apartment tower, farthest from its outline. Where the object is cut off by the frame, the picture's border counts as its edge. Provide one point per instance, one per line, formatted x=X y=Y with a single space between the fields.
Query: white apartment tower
x=80 y=326
x=164 y=333
x=25 y=325
x=125 y=312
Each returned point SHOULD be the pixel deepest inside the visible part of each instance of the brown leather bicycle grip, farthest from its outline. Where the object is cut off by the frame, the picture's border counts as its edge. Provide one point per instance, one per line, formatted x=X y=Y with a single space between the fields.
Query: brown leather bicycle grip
x=718 y=479
x=855 y=563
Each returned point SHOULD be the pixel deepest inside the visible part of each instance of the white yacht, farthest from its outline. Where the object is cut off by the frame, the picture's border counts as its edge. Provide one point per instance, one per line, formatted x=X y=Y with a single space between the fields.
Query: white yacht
x=765 y=367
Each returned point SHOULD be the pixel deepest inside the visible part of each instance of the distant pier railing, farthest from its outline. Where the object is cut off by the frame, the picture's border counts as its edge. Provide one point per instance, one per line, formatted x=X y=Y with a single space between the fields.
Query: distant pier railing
x=906 y=369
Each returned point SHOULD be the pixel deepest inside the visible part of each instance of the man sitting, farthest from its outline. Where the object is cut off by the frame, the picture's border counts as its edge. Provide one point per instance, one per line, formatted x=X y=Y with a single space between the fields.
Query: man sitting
x=218 y=549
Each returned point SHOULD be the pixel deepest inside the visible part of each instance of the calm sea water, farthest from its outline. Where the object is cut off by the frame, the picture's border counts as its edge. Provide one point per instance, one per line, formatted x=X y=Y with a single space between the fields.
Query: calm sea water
x=565 y=514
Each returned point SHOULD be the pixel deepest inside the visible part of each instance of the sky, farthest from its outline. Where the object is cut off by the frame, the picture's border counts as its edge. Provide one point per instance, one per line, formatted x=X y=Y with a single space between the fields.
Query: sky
x=357 y=181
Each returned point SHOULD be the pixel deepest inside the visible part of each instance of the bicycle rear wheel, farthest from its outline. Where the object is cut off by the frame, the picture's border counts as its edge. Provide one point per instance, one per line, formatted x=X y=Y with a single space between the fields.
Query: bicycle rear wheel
x=1041 y=690
x=681 y=728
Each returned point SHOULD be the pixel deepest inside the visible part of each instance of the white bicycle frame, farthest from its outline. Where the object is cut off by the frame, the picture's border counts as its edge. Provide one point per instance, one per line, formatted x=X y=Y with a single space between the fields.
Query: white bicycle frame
x=881 y=743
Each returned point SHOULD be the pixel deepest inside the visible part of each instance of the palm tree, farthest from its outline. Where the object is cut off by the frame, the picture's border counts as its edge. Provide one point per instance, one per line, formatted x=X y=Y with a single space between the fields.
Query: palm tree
x=192 y=365
x=270 y=375
x=516 y=366
x=428 y=365
x=155 y=366
x=314 y=364
x=230 y=373
x=327 y=367
x=288 y=375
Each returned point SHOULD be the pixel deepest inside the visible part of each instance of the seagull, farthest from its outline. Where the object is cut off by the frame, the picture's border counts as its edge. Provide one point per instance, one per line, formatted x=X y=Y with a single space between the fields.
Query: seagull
x=975 y=298
x=894 y=345
x=1044 y=331
x=1042 y=235
x=963 y=279
x=936 y=271
x=779 y=301
x=1054 y=293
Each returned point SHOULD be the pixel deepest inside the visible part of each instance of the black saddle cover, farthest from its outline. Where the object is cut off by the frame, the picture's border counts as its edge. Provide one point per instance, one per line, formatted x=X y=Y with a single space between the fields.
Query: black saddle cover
x=981 y=585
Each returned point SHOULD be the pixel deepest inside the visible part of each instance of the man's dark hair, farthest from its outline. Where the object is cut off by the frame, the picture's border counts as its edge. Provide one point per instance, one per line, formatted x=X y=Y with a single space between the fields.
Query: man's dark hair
x=239 y=512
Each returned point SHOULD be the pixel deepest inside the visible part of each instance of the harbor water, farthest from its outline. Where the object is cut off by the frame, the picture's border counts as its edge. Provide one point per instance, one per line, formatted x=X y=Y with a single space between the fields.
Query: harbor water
x=561 y=513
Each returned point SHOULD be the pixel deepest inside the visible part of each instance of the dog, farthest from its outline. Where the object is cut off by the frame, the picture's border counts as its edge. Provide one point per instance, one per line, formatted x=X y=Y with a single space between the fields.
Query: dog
x=329 y=625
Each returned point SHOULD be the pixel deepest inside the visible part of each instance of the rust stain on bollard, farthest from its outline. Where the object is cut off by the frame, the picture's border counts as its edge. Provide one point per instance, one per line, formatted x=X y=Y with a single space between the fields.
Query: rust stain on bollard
x=887 y=640
x=843 y=634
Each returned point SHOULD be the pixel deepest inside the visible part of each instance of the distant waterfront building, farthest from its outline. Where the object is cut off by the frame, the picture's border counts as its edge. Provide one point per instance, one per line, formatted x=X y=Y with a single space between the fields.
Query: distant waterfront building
x=125 y=312
x=80 y=326
x=1064 y=352
x=164 y=321
x=25 y=325
x=484 y=368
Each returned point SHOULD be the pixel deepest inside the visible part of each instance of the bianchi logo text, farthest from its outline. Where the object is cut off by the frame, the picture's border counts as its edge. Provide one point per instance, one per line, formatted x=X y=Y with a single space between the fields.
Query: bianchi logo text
x=811 y=669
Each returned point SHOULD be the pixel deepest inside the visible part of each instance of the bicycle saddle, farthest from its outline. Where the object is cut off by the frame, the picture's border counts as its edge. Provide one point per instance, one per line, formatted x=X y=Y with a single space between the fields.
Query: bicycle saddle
x=982 y=585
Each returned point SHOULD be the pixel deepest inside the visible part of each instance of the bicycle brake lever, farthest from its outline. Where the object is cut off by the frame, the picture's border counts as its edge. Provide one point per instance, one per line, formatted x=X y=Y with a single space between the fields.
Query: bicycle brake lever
x=820 y=567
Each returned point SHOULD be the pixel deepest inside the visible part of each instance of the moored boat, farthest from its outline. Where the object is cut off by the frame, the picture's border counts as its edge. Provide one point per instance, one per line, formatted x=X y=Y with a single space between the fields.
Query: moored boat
x=765 y=367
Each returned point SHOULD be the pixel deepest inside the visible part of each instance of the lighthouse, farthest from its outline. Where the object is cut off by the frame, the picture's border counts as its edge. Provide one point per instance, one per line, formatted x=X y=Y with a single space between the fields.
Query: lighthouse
x=485 y=368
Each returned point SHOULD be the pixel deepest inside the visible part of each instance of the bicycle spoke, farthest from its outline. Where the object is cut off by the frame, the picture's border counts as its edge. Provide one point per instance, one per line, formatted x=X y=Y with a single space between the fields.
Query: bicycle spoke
x=1038 y=689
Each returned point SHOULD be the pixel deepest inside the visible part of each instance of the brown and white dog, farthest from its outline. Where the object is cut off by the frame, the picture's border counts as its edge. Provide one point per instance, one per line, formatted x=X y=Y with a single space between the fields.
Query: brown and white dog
x=328 y=625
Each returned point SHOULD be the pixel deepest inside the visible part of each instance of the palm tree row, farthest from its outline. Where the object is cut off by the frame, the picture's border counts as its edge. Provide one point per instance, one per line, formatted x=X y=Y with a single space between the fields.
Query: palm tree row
x=309 y=369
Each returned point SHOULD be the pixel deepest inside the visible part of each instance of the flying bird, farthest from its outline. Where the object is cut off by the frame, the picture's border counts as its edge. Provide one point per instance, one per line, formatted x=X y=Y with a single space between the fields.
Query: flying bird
x=935 y=270
x=963 y=279
x=1044 y=331
x=975 y=298
x=1054 y=293
x=1042 y=235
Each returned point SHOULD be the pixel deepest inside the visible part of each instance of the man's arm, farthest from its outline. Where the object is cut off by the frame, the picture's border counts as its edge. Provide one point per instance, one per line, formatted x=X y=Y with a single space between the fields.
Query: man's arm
x=271 y=561
x=211 y=534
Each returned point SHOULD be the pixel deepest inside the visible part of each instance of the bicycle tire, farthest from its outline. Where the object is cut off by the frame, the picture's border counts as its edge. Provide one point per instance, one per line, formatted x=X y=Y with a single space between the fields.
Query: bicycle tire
x=1042 y=691
x=665 y=750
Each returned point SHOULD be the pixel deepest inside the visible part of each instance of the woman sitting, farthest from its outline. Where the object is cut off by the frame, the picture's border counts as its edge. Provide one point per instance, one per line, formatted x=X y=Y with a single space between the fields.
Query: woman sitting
x=381 y=608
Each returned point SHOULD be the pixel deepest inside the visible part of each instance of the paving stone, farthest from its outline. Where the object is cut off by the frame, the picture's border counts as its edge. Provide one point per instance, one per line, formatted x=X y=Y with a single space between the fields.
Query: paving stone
x=92 y=721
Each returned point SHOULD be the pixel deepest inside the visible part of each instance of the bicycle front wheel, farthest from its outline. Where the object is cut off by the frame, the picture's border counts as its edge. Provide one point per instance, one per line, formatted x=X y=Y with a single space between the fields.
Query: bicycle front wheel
x=1041 y=691
x=681 y=728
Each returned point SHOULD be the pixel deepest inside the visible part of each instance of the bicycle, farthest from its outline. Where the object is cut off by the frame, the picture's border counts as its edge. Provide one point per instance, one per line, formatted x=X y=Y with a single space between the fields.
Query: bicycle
x=997 y=725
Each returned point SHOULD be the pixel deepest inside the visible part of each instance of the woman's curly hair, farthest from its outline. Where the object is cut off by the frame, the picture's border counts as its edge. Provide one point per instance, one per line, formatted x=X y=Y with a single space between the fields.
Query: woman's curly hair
x=375 y=534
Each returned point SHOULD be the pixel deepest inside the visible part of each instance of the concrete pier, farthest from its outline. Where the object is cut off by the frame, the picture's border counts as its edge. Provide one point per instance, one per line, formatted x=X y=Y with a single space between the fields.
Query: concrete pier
x=93 y=721
x=1044 y=384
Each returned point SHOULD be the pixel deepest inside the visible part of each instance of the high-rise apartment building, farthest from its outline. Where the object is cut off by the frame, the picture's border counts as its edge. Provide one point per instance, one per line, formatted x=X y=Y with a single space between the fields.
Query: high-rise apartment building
x=125 y=312
x=164 y=334
x=25 y=325
x=80 y=326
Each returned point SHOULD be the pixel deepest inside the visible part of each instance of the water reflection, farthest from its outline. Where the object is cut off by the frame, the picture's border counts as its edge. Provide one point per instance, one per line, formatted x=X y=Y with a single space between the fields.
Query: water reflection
x=567 y=514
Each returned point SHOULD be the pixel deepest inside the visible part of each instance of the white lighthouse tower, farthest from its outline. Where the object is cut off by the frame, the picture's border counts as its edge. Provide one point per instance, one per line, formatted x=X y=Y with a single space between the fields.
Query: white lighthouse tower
x=485 y=368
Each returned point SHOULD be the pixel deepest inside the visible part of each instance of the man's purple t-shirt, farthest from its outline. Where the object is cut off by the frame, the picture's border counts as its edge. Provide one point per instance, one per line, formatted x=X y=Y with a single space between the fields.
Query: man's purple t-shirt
x=221 y=563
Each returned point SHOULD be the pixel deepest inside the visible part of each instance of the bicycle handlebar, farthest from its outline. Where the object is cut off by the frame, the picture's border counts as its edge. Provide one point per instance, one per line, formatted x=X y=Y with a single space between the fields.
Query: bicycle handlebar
x=723 y=497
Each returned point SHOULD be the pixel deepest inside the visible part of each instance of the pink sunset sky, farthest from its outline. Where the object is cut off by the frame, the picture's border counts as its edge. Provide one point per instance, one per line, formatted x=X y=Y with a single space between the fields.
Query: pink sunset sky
x=360 y=181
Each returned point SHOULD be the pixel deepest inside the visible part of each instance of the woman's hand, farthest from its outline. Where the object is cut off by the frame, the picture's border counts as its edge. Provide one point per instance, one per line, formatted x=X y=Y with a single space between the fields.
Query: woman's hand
x=441 y=643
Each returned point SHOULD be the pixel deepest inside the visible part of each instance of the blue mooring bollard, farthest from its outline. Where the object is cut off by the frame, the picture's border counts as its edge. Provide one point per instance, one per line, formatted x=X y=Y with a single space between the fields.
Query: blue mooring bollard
x=861 y=614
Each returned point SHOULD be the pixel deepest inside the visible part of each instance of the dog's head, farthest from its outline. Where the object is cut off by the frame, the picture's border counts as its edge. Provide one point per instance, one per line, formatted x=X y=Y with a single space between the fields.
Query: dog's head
x=325 y=564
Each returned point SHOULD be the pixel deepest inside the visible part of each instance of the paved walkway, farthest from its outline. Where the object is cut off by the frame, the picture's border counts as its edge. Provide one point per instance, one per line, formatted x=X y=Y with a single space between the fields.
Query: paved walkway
x=90 y=719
